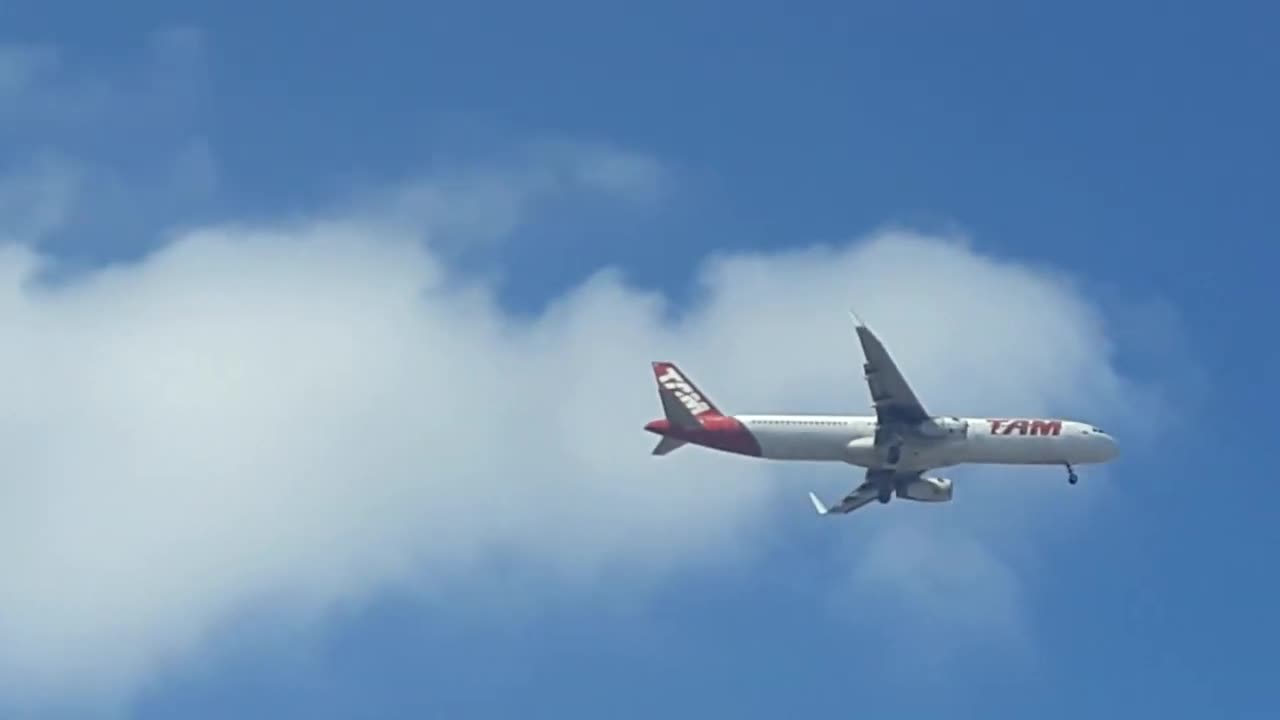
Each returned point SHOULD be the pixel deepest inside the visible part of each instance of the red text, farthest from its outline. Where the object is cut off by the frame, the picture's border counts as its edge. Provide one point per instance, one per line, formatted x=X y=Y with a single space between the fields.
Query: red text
x=1025 y=427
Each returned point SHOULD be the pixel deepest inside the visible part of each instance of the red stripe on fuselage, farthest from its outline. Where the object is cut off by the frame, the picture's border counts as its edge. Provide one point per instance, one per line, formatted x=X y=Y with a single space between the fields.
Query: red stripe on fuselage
x=719 y=432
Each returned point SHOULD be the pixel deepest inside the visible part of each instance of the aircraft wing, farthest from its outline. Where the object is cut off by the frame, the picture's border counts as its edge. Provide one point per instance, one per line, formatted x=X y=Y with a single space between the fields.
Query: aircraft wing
x=892 y=397
x=863 y=494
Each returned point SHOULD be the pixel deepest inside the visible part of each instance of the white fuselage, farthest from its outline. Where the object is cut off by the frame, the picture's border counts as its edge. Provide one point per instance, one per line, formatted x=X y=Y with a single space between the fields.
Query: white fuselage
x=849 y=439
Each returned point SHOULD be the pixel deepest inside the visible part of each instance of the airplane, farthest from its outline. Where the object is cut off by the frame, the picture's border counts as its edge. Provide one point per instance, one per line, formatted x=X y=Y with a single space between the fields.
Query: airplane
x=896 y=446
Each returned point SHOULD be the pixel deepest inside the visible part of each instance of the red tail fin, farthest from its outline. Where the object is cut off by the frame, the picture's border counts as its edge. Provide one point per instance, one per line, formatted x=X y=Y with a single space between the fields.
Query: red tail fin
x=682 y=401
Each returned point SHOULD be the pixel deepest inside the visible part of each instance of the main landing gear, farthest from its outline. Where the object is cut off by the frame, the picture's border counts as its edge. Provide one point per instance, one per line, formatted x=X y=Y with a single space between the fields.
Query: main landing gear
x=1071 y=474
x=884 y=492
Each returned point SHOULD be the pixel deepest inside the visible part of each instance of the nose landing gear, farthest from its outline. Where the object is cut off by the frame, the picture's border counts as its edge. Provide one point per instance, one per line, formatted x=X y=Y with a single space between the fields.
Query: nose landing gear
x=1071 y=474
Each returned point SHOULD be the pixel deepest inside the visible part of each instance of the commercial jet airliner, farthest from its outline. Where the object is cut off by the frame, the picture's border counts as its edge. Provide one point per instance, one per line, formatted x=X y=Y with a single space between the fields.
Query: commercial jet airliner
x=896 y=446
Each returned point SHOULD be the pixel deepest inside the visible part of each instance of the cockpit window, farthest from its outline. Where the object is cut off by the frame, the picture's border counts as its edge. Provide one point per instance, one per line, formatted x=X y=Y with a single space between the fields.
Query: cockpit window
x=1097 y=430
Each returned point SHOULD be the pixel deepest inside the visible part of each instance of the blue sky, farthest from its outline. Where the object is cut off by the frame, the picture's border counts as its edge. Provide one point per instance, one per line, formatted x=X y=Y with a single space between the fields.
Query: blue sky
x=1131 y=149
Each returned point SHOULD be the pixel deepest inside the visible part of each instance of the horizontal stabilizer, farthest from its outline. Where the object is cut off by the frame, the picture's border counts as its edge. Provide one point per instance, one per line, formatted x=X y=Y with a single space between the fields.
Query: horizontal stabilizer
x=667 y=444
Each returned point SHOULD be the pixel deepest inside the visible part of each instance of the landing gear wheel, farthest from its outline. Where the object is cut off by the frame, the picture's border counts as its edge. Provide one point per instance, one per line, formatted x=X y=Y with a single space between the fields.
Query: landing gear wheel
x=885 y=493
x=1071 y=475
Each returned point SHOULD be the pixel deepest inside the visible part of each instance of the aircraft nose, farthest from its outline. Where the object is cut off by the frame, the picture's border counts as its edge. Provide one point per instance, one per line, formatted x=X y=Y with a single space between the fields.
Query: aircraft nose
x=1113 y=447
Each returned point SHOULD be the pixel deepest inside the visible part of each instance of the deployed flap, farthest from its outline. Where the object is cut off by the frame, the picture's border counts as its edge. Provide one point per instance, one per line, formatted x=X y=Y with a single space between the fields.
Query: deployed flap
x=891 y=396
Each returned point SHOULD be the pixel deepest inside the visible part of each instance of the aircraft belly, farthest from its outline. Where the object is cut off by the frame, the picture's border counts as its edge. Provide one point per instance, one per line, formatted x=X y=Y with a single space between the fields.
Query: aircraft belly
x=1018 y=450
x=928 y=457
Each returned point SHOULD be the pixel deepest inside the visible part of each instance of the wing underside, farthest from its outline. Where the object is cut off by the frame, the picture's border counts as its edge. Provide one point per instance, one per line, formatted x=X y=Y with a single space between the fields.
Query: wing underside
x=876 y=483
x=896 y=406
x=891 y=396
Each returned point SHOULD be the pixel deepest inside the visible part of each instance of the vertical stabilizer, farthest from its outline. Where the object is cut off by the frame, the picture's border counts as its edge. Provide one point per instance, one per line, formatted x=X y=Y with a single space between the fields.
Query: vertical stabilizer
x=682 y=402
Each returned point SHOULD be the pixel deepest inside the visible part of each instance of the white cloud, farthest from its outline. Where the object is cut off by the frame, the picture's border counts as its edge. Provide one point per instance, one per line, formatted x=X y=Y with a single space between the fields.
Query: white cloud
x=47 y=93
x=21 y=67
x=300 y=415
x=37 y=198
x=603 y=165
x=306 y=414
x=459 y=207
x=924 y=594
x=103 y=146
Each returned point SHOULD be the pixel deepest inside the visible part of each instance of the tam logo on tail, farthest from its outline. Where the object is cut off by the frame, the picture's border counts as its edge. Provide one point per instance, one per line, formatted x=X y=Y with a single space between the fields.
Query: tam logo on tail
x=670 y=378
x=686 y=393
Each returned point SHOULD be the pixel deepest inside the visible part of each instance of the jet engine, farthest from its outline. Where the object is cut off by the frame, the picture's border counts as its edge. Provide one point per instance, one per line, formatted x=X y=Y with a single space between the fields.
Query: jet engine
x=862 y=451
x=926 y=489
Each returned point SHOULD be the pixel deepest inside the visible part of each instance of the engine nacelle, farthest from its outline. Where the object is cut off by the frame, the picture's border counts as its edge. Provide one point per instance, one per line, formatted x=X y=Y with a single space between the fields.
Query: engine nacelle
x=926 y=489
x=862 y=451
x=943 y=427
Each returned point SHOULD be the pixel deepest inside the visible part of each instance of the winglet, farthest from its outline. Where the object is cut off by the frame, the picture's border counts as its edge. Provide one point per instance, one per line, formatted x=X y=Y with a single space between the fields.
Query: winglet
x=817 y=505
